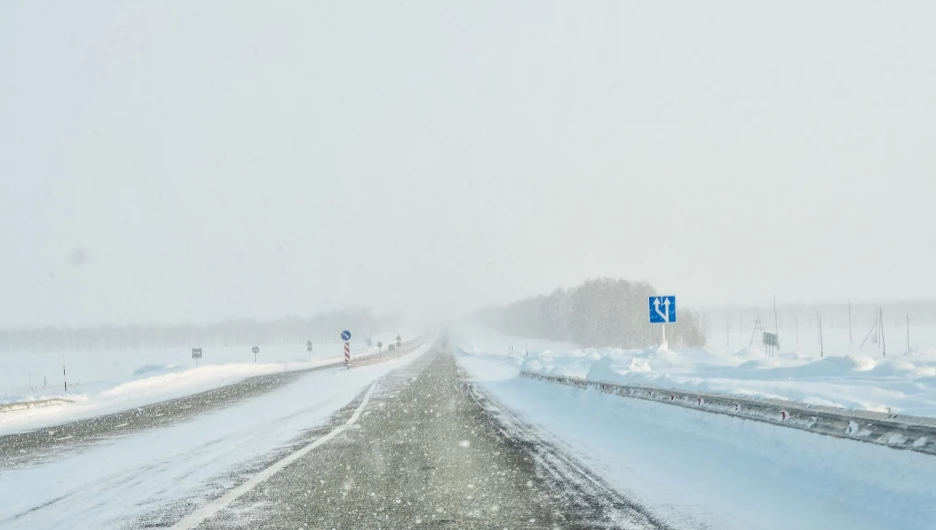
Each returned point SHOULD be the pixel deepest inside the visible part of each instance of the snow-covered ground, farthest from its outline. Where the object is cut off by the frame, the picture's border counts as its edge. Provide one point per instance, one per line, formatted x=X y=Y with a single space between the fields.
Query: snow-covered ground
x=700 y=470
x=105 y=381
x=118 y=481
x=902 y=382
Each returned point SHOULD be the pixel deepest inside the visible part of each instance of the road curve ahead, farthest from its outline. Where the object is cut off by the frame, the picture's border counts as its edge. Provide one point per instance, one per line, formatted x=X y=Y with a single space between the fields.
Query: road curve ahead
x=426 y=452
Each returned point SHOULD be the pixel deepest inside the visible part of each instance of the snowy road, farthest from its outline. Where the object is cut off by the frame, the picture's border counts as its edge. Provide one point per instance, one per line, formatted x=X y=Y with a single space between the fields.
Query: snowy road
x=441 y=440
x=31 y=447
x=427 y=453
x=161 y=472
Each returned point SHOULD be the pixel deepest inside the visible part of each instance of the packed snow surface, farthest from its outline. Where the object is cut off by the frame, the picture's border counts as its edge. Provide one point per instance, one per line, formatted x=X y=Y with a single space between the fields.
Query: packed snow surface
x=105 y=381
x=701 y=470
x=902 y=382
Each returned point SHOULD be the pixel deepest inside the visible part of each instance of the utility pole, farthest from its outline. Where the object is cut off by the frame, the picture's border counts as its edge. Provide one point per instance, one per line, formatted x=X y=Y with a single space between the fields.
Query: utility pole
x=776 y=322
x=849 y=323
x=821 y=349
x=881 y=322
x=908 y=332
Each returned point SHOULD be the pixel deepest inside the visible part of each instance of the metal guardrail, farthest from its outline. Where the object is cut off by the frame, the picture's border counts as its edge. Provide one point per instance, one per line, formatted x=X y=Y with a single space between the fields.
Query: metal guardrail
x=913 y=433
x=23 y=405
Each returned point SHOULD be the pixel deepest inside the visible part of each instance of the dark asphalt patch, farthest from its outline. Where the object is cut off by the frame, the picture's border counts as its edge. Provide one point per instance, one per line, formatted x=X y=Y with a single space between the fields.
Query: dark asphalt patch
x=426 y=454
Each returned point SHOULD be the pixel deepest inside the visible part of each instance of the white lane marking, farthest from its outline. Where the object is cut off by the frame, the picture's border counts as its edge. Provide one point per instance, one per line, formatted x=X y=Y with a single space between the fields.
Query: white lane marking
x=205 y=512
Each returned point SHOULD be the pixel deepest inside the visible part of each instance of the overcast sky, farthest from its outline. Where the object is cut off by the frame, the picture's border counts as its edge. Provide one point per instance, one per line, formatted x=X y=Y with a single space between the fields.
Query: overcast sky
x=192 y=161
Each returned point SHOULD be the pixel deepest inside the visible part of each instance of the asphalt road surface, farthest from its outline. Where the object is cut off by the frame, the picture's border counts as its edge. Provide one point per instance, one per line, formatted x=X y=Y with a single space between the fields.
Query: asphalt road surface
x=425 y=450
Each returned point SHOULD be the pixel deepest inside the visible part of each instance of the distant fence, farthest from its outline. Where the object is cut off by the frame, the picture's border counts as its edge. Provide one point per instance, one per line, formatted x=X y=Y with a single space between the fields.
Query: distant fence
x=897 y=431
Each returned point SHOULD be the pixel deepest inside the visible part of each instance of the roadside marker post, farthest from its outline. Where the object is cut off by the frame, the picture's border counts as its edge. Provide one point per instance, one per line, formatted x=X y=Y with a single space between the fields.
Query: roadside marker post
x=346 y=337
x=662 y=311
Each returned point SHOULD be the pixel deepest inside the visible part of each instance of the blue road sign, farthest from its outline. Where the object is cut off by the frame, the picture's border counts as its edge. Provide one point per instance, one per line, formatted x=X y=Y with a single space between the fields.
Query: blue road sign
x=662 y=309
x=345 y=335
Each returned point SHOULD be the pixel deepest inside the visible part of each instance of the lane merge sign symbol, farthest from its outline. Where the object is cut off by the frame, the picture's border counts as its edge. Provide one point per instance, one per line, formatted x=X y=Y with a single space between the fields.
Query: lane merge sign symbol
x=346 y=335
x=662 y=309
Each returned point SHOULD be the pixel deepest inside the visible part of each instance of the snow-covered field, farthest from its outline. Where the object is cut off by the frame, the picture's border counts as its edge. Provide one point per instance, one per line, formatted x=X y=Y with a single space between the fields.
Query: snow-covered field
x=700 y=470
x=105 y=381
x=902 y=382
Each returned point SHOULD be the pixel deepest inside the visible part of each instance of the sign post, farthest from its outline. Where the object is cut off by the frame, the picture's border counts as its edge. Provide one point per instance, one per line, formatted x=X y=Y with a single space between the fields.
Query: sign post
x=255 y=351
x=662 y=311
x=399 y=342
x=196 y=354
x=346 y=336
x=309 y=349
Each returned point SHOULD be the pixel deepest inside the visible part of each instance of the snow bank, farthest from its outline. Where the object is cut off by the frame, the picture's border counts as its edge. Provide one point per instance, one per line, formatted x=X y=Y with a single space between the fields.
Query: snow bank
x=148 y=384
x=905 y=384
x=700 y=470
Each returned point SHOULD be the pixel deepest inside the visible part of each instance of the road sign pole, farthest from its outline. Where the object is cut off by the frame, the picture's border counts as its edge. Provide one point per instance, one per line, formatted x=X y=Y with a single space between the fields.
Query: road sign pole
x=662 y=312
x=346 y=337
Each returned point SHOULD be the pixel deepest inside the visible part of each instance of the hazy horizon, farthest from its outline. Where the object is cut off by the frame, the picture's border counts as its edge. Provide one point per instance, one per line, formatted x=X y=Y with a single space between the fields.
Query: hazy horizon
x=190 y=163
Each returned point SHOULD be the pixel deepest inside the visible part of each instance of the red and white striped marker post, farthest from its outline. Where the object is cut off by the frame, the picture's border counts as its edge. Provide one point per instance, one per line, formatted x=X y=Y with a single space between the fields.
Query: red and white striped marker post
x=346 y=336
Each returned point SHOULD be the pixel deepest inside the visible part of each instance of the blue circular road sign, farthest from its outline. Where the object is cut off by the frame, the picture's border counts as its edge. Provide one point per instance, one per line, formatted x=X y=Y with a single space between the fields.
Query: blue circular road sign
x=345 y=335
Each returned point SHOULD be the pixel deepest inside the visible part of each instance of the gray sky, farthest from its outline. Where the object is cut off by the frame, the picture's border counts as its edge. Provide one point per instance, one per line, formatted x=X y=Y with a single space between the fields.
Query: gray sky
x=191 y=161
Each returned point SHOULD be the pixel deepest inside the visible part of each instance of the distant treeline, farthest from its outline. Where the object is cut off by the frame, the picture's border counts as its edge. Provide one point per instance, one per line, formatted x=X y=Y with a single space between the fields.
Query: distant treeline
x=319 y=328
x=598 y=313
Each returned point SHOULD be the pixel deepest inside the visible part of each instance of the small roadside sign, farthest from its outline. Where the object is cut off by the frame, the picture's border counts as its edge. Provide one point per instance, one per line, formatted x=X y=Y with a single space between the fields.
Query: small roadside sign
x=771 y=339
x=196 y=353
x=345 y=335
x=255 y=349
x=771 y=342
x=309 y=346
